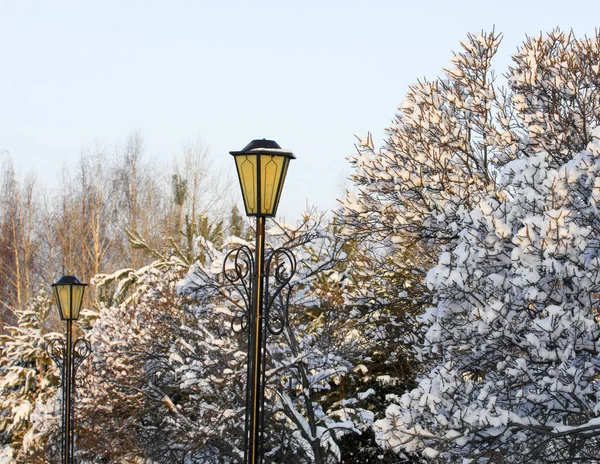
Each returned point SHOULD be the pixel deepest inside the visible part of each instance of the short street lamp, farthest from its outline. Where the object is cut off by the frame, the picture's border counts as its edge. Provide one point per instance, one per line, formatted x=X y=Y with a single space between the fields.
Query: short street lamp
x=261 y=167
x=68 y=355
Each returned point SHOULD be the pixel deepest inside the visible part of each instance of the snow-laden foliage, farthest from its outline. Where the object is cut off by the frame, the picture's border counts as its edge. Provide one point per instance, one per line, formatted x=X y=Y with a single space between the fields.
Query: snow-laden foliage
x=164 y=380
x=515 y=335
x=510 y=352
x=307 y=411
x=555 y=82
x=28 y=383
x=440 y=158
x=480 y=206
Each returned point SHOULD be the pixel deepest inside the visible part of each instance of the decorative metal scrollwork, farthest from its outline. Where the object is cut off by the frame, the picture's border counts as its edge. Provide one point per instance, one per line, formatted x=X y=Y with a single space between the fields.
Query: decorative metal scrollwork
x=56 y=350
x=239 y=323
x=240 y=276
x=281 y=266
x=81 y=350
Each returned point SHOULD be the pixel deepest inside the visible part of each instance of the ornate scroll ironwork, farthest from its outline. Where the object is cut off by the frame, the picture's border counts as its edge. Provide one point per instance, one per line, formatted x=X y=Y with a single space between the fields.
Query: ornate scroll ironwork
x=280 y=267
x=261 y=282
x=68 y=355
x=81 y=350
x=241 y=278
x=57 y=350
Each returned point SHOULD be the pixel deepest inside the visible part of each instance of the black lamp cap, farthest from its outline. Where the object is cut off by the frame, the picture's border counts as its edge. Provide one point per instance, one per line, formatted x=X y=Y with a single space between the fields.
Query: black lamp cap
x=68 y=280
x=263 y=146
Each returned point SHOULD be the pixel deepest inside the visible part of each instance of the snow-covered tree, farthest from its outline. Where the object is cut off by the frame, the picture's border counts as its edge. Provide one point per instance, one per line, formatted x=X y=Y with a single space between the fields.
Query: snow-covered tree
x=159 y=385
x=28 y=386
x=441 y=156
x=308 y=411
x=555 y=84
x=515 y=334
x=510 y=352
x=437 y=163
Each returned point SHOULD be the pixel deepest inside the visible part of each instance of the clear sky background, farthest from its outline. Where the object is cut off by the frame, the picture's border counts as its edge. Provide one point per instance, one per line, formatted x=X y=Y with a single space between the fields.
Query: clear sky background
x=308 y=74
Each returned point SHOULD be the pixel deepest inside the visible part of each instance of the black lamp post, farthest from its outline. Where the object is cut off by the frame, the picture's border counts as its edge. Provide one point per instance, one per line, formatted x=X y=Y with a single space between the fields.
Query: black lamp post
x=261 y=168
x=68 y=355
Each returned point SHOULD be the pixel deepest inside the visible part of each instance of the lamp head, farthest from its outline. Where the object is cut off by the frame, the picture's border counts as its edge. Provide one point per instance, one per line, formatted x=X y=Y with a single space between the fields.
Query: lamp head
x=68 y=292
x=261 y=167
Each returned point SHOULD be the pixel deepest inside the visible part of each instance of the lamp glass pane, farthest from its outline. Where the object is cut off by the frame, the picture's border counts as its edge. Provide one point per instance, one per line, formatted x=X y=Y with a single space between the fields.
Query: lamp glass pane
x=246 y=167
x=63 y=299
x=271 y=171
x=77 y=296
x=286 y=163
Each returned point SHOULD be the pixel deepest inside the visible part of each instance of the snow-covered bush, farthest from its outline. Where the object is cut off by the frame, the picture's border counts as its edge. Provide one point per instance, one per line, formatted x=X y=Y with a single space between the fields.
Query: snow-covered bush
x=308 y=411
x=168 y=373
x=163 y=380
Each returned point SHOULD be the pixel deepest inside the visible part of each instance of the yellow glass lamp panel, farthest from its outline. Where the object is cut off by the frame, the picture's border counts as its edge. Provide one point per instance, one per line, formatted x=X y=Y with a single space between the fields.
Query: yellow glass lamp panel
x=77 y=296
x=247 y=169
x=69 y=299
x=63 y=298
x=272 y=168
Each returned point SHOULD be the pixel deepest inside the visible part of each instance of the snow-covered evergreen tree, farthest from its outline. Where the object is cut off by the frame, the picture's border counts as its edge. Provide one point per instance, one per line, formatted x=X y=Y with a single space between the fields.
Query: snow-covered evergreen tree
x=28 y=386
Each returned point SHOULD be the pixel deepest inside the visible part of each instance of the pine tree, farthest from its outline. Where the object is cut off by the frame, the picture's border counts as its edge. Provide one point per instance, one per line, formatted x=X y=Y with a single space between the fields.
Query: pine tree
x=28 y=385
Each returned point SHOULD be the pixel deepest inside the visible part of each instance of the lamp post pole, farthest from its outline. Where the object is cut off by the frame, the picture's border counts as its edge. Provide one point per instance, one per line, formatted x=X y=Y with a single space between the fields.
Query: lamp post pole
x=67 y=392
x=262 y=167
x=254 y=410
x=68 y=355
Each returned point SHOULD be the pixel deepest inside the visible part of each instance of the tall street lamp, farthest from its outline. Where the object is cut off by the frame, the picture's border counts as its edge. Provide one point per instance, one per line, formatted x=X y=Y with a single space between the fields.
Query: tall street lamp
x=261 y=167
x=68 y=354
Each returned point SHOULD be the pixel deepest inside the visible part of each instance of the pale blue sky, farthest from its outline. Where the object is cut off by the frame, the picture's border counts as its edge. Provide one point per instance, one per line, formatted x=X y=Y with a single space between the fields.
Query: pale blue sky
x=307 y=74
